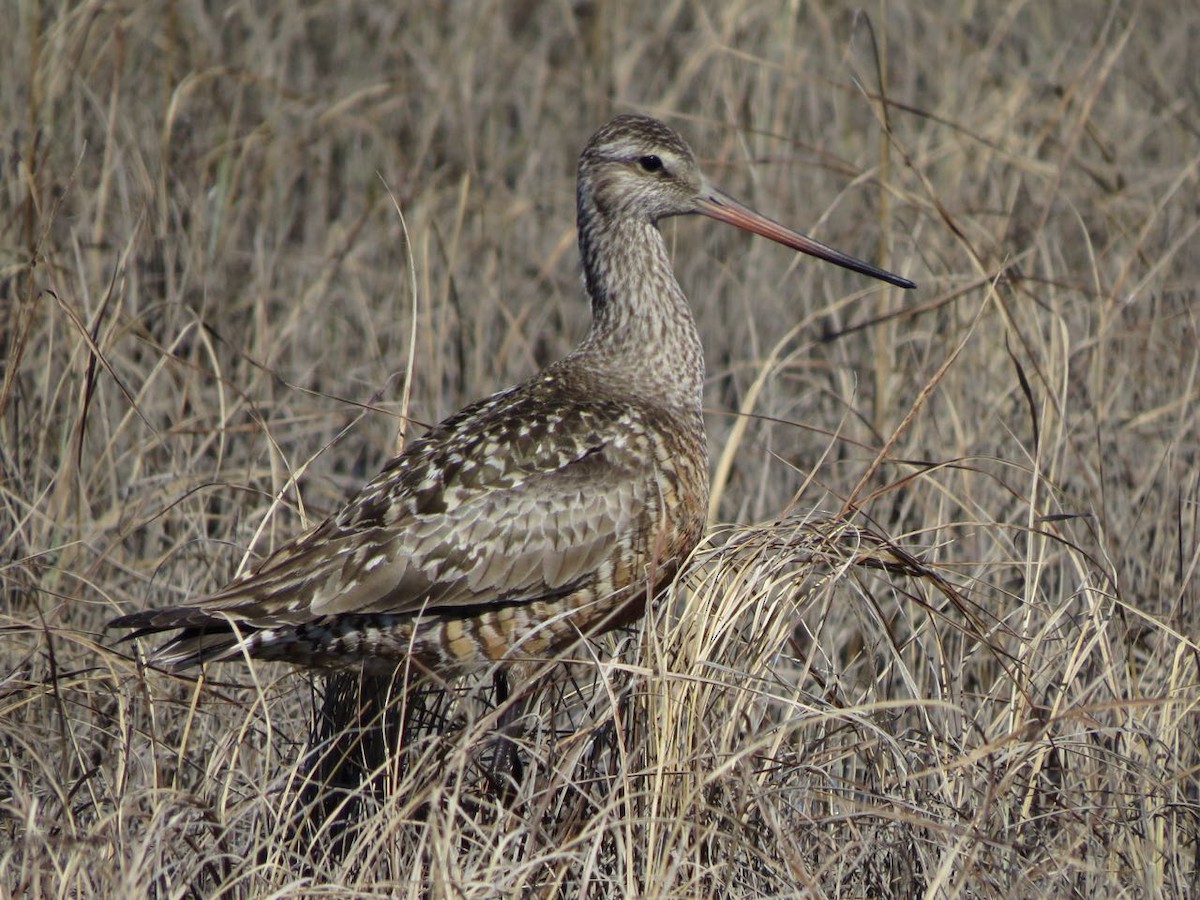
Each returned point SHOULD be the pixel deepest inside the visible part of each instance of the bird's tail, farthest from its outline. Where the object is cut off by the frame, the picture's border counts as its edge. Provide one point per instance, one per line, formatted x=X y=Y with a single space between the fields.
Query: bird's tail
x=202 y=638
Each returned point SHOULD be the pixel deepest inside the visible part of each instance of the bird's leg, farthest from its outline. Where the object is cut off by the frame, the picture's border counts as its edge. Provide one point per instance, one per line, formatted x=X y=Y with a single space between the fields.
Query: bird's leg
x=507 y=770
x=353 y=750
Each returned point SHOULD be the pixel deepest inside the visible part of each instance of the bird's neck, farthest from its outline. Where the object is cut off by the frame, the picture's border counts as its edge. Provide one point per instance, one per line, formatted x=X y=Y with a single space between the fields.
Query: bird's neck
x=642 y=327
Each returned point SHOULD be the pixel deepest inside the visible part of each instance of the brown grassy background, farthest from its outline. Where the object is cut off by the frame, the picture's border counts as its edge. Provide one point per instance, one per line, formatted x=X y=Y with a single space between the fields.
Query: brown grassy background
x=214 y=312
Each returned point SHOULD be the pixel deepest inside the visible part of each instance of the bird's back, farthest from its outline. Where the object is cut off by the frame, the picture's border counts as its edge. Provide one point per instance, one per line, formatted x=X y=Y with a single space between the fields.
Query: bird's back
x=527 y=519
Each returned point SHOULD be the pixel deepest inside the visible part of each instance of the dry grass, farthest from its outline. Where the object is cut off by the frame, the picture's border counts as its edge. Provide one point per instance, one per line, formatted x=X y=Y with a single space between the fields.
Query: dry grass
x=210 y=303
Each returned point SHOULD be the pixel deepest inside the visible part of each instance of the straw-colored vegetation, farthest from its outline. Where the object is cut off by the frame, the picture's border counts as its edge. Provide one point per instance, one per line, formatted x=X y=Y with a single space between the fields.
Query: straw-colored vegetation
x=944 y=640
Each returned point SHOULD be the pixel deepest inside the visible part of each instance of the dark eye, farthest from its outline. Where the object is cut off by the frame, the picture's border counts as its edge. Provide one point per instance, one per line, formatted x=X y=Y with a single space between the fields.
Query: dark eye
x=650 y=163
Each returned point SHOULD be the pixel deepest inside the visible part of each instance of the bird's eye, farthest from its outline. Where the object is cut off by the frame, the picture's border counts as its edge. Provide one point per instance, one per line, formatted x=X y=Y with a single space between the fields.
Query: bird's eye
x=650 y=163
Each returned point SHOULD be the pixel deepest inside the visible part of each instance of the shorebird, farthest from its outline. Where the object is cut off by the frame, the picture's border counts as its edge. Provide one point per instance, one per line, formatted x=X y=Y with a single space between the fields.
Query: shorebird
x=535 y=517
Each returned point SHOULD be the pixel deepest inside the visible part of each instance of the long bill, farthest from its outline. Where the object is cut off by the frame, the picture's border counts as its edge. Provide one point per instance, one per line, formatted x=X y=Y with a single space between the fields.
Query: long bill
x=720 y=206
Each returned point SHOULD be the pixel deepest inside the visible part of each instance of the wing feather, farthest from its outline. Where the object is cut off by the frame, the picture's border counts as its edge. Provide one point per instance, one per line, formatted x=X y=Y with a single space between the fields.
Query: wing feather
x=445 y=526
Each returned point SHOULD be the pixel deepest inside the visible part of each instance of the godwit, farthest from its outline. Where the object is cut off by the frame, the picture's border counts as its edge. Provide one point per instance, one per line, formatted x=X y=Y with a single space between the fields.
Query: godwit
x=546 y=512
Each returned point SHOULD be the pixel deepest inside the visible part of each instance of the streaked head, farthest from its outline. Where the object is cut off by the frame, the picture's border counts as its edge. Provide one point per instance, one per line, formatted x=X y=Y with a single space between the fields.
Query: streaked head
x=637 y=167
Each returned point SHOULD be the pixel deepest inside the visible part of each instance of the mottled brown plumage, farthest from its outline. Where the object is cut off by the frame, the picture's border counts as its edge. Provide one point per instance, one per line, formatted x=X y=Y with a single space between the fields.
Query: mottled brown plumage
x=545 y=512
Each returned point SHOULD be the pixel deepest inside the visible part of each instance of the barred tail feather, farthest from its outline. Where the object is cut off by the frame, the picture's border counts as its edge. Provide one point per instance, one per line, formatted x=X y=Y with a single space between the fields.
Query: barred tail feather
x=202 y=637
x=379 y=641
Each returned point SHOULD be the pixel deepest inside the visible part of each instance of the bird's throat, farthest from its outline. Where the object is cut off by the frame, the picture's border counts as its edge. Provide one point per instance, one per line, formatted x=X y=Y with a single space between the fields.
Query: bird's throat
x=642 y=326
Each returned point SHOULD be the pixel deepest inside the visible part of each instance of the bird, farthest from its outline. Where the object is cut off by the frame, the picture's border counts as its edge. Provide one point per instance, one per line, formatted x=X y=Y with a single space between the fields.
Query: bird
x=546 y=513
